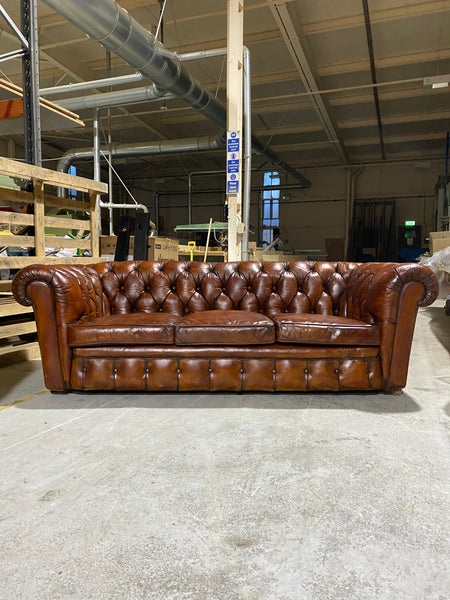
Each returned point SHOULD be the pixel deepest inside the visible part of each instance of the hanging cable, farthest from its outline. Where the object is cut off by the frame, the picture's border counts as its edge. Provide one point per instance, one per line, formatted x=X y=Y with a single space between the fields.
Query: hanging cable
x=220 y=76
x=118 y=177
x=161 y=14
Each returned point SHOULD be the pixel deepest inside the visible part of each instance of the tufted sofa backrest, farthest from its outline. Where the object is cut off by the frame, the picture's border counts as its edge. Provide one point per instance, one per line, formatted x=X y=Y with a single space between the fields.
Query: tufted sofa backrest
x=185 y=287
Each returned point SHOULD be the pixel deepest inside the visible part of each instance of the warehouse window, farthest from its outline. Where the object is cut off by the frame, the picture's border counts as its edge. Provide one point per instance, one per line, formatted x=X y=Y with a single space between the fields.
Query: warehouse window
x=271 y=206
x=72 y=194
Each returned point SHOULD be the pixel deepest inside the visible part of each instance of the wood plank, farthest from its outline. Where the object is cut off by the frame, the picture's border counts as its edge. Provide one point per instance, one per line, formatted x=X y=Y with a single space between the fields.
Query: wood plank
x=66 y=203
x=7 y=331
x=39 y=236
x=9 y=307
x=5 y=285
x=11 y=109
x=13 y=354
x=61 y=242
x=95 y=248
x=50 y=241
x=65 y=222
x=28 y=198
x=18 y=262
x=24 y=171
x=16 y=218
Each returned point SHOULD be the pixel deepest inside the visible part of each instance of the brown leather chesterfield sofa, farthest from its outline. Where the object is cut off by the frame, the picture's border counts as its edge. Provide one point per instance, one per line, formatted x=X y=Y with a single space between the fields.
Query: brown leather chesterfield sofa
x=241 y=326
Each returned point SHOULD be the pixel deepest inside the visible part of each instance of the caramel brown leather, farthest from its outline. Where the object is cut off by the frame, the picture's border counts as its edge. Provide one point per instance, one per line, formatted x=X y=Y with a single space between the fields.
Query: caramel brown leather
x=93 y=331
x=121 y=330
x=224 y=328
x=325 y=329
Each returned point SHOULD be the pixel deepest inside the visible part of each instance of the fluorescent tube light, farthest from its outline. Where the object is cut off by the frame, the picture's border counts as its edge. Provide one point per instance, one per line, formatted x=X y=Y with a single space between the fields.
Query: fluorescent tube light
x=439 y=81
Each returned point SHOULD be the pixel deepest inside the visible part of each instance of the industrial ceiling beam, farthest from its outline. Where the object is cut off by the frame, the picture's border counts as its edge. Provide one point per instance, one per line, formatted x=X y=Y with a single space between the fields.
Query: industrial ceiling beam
x=113 y=27
x=378 y=16
x=373 y=74
x=293 y=44
x=55 y=19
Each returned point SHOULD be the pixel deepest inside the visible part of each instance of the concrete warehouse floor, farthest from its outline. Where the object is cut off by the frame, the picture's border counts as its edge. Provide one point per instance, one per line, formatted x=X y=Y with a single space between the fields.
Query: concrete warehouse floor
x=226 y=497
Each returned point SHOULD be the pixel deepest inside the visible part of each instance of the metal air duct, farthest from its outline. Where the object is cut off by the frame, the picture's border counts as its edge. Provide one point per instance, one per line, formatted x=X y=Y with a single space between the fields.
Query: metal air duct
x=199 y=144
x=116 y=30
x=111 y=99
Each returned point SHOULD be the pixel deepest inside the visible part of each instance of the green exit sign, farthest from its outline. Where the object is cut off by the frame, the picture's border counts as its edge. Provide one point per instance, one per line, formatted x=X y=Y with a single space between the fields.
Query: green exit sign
x=410 y=223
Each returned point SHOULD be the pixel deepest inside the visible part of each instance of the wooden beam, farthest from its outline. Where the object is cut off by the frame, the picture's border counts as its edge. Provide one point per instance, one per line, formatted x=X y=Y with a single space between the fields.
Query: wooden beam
x=94 y=219
x=39 y=212
x=60 y=222
x=14 y=354
x=7 y=331
x=24 y=171
x=50 y=241
x=17 y=262
x=27 y=198
x=235 y=43
x=11 y=109
x=16 y=219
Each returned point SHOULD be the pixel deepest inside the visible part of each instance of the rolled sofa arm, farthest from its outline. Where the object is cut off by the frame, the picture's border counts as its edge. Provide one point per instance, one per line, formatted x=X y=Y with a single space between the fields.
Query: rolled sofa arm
x=60 y=295
x=389 y=295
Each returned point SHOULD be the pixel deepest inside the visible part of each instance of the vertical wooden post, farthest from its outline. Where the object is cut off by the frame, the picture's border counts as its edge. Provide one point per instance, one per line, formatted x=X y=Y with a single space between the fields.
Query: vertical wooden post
x=235 y=42
x=94 y=216
x=39 y=213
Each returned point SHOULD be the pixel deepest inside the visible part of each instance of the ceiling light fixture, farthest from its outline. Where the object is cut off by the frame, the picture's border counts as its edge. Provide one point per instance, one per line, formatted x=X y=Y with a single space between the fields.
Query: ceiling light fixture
x=439 y=81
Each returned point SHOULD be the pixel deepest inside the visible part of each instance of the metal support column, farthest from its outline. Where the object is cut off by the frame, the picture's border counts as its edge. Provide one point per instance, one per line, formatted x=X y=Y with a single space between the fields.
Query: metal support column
x=30 y=78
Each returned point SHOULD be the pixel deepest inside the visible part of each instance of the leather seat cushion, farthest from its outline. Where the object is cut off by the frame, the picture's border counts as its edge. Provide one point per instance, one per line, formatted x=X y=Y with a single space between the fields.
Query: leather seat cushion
x=137 y=328
x=224 y=328
x=324 y=330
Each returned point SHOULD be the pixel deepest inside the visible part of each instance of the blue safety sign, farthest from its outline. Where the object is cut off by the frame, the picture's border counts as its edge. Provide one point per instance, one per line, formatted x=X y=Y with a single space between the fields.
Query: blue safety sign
x=233 y=162
x=233 y=187
x=233 y=166
x=233 y=142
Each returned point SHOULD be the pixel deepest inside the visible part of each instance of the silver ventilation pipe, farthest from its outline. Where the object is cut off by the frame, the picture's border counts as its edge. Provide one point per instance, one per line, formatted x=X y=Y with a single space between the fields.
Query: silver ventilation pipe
x=116 y=30
x=111 y=99
x=199 y=144
x=89 y=85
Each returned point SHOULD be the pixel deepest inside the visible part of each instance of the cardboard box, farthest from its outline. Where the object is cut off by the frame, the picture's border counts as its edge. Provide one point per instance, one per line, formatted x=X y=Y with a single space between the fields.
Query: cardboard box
x=159 y=248
x=439 y=240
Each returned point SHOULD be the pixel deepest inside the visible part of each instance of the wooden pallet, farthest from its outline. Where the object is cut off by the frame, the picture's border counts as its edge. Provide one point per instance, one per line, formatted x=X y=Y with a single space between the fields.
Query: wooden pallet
x=16 y=320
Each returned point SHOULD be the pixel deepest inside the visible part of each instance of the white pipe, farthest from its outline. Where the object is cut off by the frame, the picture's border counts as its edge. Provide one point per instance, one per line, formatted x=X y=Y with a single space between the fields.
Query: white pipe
x=247 y=153
x=93 y=84
x=124 y=205
x=112 y=99
x=96 y=151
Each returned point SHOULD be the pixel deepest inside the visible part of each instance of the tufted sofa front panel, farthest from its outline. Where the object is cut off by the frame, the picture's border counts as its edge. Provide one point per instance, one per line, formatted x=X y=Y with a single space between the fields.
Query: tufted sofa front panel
x=185 y=287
